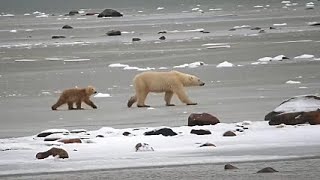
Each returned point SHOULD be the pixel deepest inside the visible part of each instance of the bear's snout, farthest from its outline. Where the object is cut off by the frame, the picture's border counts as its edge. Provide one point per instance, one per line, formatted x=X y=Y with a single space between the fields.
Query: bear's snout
x=95 y=92
x=202 y=84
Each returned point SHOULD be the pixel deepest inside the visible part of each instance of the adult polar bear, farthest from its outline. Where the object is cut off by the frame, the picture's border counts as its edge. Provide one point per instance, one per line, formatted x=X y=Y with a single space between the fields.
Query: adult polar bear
x=170 y=83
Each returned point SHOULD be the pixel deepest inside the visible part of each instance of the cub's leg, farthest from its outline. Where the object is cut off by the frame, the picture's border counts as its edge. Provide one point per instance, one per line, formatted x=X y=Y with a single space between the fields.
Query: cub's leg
x=167 y=98
x=90 y=103
x=58 y=104
x=70 y=105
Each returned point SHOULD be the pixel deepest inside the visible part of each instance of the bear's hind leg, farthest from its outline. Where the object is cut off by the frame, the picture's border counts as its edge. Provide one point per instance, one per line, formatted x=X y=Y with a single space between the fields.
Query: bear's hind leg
x=132 y=100
x=184 y=98
x=90 y=103
x=167 y=97
x=141 y=99
x=58 y=104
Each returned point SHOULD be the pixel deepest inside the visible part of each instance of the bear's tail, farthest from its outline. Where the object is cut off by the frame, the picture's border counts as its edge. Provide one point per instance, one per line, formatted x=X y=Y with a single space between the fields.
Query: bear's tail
x=132 y=100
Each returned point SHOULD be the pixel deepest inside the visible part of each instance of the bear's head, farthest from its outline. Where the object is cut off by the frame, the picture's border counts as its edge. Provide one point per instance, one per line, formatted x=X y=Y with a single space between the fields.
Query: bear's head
x=91 y=90
x=194 y=81
x=188 y=79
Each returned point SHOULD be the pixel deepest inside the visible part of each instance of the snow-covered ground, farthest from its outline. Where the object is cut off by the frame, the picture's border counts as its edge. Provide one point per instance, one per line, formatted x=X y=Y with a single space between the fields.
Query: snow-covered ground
x=109 y=148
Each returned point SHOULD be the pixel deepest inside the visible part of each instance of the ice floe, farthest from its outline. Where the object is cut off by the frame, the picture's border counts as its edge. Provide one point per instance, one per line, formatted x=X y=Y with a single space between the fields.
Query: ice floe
x=304 y=56
x=225 y=64
x=191 y=65
x=102 y=95
x=276 y=58
x=25 y=60
x=293 y=82
x=76 y=60
x=281 y=24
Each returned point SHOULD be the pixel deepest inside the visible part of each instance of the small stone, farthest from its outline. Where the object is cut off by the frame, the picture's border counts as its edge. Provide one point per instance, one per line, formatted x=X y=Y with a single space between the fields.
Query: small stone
x=114 y=33
x=67 y=27
x=57 y=37
x=162 y=38
x=229 y=167
x=267 y=170
x=162 y=32
x=126 y=133
x=229 y=133
x=70 y=141
x=136 y=39
x=200 y=132
x=100 y=136
x=207 y=144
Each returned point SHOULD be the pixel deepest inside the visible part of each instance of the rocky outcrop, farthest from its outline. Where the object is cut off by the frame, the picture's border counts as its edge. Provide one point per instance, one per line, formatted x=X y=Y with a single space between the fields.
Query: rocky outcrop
x=110 y=13
x=55 y=152
x=296 y=110
x=163 y=131
x=202 y=119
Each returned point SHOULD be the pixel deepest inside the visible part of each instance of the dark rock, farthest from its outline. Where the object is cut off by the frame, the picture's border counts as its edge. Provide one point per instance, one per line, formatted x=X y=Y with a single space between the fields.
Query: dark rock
x=67 y=27
x=162 y=38
x=239 y=130
x=143 y=147
x=136 y=39
x=73 y=12
x=205 y=32
x=256 y=28
x=58 y=37
x=272 y=27
x=262 y=31
x=60 y=153
x=163 y=131
x=70 y=141
x=110 y=13
x=91 y=13
x=162 y=32
x=232 y=29
x=202 y=119
x=309 y=8
x=207 y=144
x=100 y=136
x=45 y=134
x=288 y=119
x=315 y=24
x=200 y=132
x=229 y=167
x=229 y=133
x=126 y=133
x=312 y=117
x=267 y=170
x=114 y=33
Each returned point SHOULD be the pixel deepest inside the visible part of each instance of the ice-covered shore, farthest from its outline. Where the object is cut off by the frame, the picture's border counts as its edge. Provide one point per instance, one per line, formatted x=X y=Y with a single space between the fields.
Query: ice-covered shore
x=108 y=148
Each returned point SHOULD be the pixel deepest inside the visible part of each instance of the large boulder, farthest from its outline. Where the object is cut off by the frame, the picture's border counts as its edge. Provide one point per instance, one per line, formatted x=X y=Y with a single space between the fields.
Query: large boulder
x=296 y=110
x=73 y=12
x=267 y=170
x=110 y=13
x=163 y=131
x=114 y=33
x=202 y=119
x=55 y=152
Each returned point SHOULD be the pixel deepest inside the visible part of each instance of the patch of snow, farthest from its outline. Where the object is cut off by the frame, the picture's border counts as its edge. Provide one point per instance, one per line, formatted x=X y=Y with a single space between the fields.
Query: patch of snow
x=225 y=64
x=293 y=82
x=299 y=104
x=102 y=95
x=304 y=56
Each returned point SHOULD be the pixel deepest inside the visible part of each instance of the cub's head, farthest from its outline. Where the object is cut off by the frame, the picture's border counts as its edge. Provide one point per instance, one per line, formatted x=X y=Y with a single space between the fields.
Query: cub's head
x=91 y=90
x=194 y=81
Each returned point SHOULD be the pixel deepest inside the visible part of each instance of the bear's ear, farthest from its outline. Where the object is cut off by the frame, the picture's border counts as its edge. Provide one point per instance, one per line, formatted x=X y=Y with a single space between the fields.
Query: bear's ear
x=190 y=78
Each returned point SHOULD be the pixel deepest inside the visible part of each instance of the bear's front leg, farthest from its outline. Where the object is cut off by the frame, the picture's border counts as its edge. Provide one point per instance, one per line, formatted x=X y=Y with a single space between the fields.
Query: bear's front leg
x=167 y=98
x=183 y=97
x=90 y=103
x=70 y=105
x=141 y=99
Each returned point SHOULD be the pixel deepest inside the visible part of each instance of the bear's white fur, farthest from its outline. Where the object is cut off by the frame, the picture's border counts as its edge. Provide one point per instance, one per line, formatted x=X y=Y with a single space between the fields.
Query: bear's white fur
x=170 y=83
